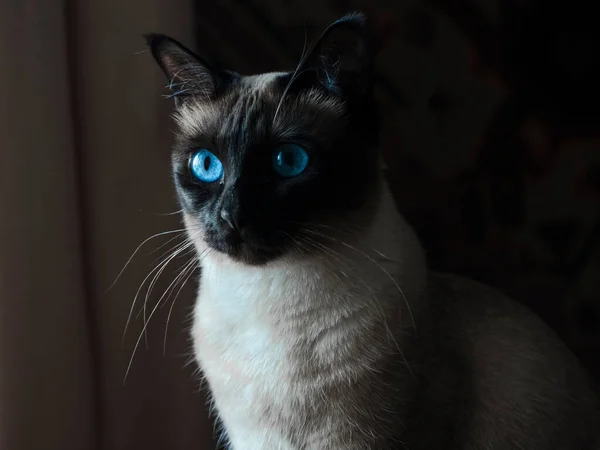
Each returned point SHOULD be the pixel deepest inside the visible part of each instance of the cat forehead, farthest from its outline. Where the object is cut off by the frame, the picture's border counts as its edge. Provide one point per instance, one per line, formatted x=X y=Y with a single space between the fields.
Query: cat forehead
x=195 y=117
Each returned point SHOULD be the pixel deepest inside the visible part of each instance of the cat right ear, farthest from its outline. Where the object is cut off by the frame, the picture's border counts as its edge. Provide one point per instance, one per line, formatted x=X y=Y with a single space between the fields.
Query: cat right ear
x=342 y=58
x=188 y=75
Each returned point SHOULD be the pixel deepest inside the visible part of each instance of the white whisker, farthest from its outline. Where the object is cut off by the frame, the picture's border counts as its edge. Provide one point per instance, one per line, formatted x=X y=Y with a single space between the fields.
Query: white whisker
x=165 y=261
x=189 y=269
x=303 y=57
x=174 y=213
x=186 y=245
x=374 y=300
x=137 y=249
x=142 y=333
x=377 y=264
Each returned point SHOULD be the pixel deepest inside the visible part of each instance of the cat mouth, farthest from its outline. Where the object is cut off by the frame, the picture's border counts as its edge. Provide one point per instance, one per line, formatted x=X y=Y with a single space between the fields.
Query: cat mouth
x=243 y=249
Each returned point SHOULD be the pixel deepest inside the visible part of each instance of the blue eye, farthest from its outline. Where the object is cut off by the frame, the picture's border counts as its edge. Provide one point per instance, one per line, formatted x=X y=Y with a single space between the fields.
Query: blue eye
x=206 y=167
x=290 y=160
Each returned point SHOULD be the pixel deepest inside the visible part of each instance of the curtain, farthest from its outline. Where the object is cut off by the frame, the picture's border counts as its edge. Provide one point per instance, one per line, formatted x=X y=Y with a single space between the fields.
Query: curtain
x=84 y=178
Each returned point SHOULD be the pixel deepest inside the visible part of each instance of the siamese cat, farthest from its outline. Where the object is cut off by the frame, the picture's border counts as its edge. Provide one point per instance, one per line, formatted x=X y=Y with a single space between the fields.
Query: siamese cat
x=317 y=324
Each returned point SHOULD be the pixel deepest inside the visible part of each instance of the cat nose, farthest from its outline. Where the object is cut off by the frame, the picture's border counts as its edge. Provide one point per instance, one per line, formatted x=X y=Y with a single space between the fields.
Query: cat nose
x=229 y=219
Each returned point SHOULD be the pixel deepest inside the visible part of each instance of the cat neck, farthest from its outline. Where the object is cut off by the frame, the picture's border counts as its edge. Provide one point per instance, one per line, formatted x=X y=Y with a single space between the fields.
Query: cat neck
x=383 y=263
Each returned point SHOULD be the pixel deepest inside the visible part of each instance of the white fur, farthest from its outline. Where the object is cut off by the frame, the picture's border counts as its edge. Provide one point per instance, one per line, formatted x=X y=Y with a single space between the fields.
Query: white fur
x=192 y=117
x=262 y=335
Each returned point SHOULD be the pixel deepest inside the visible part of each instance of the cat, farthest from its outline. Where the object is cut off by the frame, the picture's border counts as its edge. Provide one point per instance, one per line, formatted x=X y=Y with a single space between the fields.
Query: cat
x=317 y=324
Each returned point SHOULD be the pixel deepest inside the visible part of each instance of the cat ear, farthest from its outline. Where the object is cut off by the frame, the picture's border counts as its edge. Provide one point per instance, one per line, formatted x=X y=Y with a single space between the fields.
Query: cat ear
x=188 y=75
x=343 y=58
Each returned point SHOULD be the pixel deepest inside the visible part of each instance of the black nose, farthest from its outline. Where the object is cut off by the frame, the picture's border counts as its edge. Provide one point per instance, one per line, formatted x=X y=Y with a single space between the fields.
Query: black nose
x=229 y=219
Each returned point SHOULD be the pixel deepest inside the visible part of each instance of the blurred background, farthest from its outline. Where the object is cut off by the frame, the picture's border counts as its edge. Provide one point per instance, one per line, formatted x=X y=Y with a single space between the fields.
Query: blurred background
x=492 y=145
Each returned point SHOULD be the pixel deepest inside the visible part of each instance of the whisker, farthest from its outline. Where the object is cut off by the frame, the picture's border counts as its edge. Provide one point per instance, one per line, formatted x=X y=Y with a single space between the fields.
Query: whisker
x=337 y=257
x=374 y=302
x=179 y=275
x=297 y=244
x=377 y=264
x=190 y=268
x=303 y=58
x=142 y=334
x=165 y=261
x=175 y=94
x=174 y=213
x=359 y=227
x=138 y=249
x=170 y=287
x=154 y=309
x=170 y=85
x=185 y=246
x=175 y=247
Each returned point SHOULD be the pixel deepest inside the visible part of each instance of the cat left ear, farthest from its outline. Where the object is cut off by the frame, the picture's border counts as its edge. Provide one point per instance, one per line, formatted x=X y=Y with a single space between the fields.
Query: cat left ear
x=343 y=57
x=188 y=75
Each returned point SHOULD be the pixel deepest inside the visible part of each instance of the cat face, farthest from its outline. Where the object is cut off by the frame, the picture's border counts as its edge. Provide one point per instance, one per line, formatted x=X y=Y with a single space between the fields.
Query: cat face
x=261 y=160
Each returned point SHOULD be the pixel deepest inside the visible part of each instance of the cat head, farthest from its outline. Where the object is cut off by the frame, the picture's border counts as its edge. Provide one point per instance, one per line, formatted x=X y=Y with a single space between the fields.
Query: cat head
x=264 y=164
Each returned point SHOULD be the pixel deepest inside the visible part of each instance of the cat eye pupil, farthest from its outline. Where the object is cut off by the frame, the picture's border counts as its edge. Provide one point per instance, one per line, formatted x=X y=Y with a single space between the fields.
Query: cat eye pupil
x=206 y=167
x=288 y=158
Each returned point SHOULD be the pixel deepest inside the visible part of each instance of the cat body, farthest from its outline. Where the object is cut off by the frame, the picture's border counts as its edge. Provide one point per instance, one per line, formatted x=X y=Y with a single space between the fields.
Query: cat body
x=280 y=365
x=317 y=324
x=474 y=371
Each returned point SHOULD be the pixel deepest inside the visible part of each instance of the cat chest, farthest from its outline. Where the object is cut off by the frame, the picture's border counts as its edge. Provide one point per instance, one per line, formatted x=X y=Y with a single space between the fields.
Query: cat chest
x=246 y=365
x=259 y=356
x=233 y=345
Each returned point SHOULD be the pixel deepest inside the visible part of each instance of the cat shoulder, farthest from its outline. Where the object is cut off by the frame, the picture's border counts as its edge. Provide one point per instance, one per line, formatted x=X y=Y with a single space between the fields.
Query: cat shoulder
x=505 y=345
